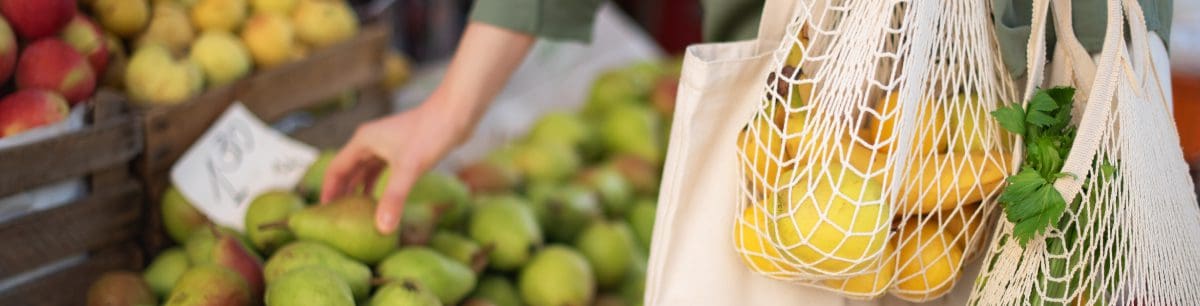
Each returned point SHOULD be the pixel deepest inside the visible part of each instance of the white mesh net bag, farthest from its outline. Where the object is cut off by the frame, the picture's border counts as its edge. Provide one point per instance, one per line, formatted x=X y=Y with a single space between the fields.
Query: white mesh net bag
x=872 y=162
x=1129 y=230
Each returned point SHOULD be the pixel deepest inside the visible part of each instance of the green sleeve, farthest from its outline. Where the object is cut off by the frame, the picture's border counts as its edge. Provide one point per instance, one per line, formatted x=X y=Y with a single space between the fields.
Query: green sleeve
x=730 y=20
x=1012 y=19
x=552 y=19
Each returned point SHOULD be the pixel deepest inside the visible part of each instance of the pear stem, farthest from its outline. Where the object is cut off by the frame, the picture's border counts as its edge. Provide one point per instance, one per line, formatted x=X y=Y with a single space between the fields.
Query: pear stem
x=279 y=225
x=380 y=281
x=479 y=260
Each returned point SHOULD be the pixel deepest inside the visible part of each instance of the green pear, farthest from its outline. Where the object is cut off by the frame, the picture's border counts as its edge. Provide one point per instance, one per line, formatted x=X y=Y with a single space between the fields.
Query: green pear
x=404 y=293
x=440 y=187
x=633 y=288
x=226 y=248
x=610 y=300
x=563 y=211
x=447 y=279
x=179 y=216
x=419 y=222
x=507 y=223
x=641 y=219
x=301 y=254
x=273 y=207
x=165 y=270
x=460 y=249
x=495 y=174
x=232 y=253
x=310 y=184
x=630 y=85
x=348 y=225
x=557 y=276
x=477 y=302
x=207 y=285
x=616 y=195
x=610 y=249
x=643 y=176
x=437 y=188
x=311 y=285
x=120 y=288
x=546 y=160
x=631 y=129
x=497 y=290
x=199 y=245
x=568 y=128
x=559 y=126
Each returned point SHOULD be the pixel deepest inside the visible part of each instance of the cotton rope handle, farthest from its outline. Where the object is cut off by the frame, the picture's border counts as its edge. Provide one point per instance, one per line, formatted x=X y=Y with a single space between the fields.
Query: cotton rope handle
x=1091 y=126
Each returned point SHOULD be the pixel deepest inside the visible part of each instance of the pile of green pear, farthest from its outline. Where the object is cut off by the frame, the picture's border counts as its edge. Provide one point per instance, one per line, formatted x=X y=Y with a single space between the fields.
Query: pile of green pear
x=561 y=217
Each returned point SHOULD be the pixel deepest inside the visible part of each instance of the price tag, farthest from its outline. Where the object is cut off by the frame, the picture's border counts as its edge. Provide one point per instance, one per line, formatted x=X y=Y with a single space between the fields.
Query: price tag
x=238 y=158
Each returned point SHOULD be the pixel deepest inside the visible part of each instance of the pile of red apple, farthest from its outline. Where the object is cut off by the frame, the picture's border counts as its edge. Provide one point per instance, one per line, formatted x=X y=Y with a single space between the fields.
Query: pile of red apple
x=50 y=57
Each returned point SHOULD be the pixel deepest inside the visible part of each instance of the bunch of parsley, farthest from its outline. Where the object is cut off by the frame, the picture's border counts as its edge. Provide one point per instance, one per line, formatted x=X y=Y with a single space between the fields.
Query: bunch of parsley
x=1032 y=204
x=1029 y=200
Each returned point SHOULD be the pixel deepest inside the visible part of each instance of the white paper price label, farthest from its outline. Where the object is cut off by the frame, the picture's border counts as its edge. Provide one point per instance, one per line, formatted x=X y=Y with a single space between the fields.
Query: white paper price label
x=238 y=158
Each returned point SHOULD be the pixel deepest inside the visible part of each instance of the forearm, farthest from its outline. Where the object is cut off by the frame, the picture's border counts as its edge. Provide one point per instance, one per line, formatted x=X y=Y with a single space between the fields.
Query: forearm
x=486 y=57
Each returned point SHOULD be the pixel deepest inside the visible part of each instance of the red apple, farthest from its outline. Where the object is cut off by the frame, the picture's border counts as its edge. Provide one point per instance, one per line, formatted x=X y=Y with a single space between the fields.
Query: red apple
x=33 y=19
x=83 y=34
x=52 y=64
x=30 y=108
x=8 y=51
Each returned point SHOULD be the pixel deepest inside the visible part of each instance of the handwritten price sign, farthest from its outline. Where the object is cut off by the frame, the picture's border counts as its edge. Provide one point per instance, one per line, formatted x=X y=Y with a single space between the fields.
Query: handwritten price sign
x=238 y=158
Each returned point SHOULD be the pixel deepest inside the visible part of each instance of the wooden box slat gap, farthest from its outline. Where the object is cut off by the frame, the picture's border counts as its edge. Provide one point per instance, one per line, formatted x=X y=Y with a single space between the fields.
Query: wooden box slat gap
x=101 y=145
x=106 y=217
x=333 y=131
x=69 y=286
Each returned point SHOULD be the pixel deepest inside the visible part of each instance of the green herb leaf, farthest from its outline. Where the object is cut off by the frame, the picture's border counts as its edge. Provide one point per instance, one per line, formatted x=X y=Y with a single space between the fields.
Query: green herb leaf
x=1011 y=118
x=1044 y=156
x=1043 y=209
x=1063 y=95
x=1040 y=110
x=1021 y=185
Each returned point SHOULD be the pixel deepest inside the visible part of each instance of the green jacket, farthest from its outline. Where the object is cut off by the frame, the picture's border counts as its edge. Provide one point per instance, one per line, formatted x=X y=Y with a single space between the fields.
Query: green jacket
x=729 y=20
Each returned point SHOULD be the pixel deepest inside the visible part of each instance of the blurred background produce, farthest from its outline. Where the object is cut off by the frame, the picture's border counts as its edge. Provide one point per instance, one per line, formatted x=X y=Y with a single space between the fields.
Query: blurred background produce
x=569 y=156
x=561 y=217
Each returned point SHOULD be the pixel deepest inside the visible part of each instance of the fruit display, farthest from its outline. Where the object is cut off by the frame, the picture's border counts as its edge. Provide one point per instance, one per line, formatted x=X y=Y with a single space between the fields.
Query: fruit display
x=177 y=49
x=561 y=217
x=51 y=59
x=829 y=202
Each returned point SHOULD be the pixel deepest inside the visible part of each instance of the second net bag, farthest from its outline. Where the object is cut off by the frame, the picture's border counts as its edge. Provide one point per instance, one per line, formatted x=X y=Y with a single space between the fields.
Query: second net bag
x=871 y=162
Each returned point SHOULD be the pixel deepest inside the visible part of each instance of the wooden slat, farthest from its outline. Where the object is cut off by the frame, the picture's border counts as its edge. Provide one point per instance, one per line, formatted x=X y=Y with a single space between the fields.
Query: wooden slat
x=105 y=217
x=269 y=94
x=69 y=286
x=154 y=235
x=72 y=155
x=336 y=129
x=325 y=74
x=171 y=130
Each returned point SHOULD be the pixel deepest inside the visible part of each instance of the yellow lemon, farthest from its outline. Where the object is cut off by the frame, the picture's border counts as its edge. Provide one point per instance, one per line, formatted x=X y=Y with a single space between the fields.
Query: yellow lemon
x=764 y=155
x=871 y=284
x=805 y=148
x=928 y=263
x=836 y=228
x=758 y=253
x=963 y=224
x=795 y=55
x=944 y=181
x=927 y=137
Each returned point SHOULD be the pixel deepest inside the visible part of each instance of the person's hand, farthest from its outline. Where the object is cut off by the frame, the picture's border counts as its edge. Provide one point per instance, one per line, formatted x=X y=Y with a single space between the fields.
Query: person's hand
x=409 y=143
x=413 y=141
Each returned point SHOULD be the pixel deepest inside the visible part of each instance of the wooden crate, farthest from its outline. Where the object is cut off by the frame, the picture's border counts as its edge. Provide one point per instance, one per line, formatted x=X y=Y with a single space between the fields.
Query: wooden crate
x=102 y=227
x=271 y=94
